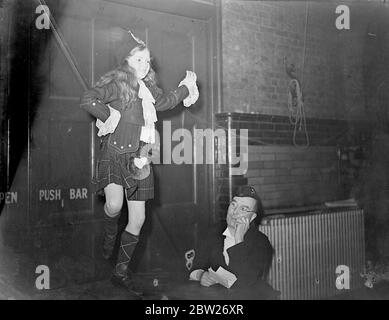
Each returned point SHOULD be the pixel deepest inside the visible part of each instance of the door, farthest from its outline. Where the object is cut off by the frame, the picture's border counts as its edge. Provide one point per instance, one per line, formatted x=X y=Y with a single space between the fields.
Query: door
x=64 y=144
x=181 y=201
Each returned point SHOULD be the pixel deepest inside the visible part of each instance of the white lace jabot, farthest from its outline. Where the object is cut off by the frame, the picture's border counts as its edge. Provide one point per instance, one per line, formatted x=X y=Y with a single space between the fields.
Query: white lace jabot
x=149 y=114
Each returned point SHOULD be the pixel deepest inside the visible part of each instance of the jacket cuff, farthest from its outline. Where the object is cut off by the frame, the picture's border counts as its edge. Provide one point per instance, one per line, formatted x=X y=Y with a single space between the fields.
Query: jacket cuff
x=110 y=124
x=96 y=108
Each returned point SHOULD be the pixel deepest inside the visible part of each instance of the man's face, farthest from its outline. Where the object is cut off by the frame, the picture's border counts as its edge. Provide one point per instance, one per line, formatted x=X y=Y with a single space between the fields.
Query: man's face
x=241 y=207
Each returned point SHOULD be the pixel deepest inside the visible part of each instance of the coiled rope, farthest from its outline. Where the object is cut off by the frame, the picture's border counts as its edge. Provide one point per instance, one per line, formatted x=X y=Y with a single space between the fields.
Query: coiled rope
x=295 y=96
x=296 y=111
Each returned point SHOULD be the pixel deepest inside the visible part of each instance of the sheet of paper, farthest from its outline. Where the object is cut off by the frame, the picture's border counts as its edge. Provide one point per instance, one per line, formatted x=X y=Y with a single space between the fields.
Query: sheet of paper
x=223 y=277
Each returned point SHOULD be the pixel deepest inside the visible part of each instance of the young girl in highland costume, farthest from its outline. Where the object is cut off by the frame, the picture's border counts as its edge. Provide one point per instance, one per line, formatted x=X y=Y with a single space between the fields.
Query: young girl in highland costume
x=125 y=101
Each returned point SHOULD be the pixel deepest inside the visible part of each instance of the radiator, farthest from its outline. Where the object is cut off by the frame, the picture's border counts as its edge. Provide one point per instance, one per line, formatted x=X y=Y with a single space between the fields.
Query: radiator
x=308 y=249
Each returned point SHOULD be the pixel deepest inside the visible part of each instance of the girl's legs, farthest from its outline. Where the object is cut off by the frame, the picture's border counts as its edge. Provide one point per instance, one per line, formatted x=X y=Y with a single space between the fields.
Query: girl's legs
x=112 y=207
x=129 y=238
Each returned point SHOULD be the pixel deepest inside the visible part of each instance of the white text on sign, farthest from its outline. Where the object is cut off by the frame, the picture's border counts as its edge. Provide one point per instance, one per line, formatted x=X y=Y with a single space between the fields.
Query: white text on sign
x=78 y=193
x=55 y=194
x=9 y=197
x=49 y=194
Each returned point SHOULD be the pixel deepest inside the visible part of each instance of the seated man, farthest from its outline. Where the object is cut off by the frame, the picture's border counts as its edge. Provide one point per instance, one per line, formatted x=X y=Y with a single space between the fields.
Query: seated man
x=241 y=250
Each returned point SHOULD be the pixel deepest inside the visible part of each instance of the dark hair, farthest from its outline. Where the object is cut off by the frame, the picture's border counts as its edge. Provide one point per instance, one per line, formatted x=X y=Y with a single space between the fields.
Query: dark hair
x=125 y=79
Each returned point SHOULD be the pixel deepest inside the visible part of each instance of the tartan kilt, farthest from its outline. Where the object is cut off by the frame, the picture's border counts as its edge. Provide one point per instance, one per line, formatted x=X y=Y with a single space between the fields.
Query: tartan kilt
x=112 y=167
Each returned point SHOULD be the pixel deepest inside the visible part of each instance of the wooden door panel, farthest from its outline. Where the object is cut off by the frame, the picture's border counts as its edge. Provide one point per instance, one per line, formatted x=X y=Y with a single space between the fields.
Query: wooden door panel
x=181 y=199
x=170 y=39
x=64 y=136
x=62 y=82
x=172 y=55
x=61 y=132
x=65 y=233
x=172 y=177
x=68 y=154
x=61 y=163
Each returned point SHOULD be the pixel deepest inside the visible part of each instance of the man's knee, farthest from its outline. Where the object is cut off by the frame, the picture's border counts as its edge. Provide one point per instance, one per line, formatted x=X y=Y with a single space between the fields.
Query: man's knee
x=112 y=208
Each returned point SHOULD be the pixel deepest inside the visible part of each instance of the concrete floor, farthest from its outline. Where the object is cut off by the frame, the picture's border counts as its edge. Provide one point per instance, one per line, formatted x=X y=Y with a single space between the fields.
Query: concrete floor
x=99 y=290
x=167 y=286
x=104 y=290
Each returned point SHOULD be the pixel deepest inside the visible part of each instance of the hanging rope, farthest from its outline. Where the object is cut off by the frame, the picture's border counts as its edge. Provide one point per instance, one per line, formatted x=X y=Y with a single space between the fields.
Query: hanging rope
x=296 y=111
x=295 y=95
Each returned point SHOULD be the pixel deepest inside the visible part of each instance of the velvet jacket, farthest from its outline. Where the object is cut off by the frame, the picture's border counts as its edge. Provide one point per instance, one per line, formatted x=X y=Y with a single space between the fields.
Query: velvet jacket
x=126 y=136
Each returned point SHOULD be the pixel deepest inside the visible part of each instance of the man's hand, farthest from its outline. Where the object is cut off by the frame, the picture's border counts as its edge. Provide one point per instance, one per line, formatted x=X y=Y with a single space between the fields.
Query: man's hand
x=196 y=274
x=207 y=280
x=241 y=228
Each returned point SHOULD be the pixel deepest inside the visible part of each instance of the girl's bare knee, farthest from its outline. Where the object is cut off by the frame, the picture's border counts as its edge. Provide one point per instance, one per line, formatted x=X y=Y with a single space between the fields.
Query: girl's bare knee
x=112 y=208
x=113 y=199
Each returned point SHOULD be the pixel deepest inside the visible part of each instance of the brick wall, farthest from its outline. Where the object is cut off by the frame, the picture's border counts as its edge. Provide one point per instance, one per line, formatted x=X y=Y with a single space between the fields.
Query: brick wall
x=257 y=35
x=286 y=175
